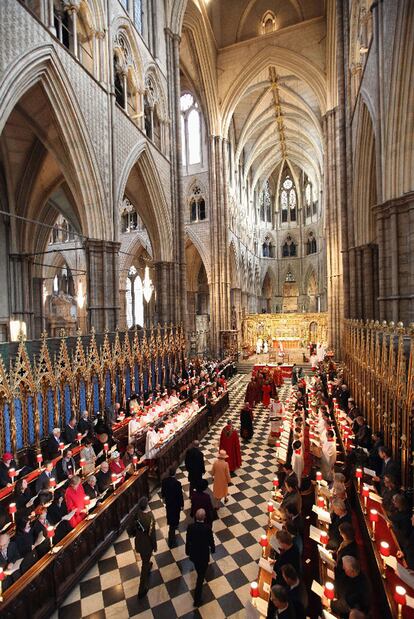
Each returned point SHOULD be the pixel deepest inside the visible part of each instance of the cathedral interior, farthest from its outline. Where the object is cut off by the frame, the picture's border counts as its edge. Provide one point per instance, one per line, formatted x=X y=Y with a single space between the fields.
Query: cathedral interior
x=195 y=182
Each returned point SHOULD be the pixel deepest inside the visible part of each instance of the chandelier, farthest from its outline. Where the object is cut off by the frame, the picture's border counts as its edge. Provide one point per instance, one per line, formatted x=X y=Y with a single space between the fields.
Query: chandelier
x=147 y=286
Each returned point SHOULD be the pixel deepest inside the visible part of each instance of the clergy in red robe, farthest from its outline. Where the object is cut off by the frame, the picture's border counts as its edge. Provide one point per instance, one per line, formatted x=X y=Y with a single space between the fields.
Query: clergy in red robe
x=229 y=441
x=75 y=500
x=266 y=391
x=278 y=376
x=251 y=393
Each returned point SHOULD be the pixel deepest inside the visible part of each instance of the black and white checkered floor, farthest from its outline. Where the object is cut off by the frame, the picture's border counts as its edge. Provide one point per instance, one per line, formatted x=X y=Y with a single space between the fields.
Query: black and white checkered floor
x=110 y=588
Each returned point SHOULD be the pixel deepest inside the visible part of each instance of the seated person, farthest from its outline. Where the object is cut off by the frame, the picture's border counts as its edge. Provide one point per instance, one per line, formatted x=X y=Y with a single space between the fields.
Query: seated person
x=85 y=426
x=289 y=553
x=363 y=433
x=292 y=495
x=295 y=525
x=39 y=527
x=408 y=547
x=116 y=465
x=339 y=514
x=389 y=466
x=23 y=538
x=90 y=487
x=297 y=592
x=103 y=477
x=56 y=511
x=71 y=431
x=6 y=463
x=389 y=489
x=22 y=494
x=98 y=446
x=347 y=547
x=127 y=457
x=401 y=519
x=66 y=467
x=48 y=472
x=87 y=453
x=52 y=447
x=279 y=605
x=352 y=590
x=9 y=554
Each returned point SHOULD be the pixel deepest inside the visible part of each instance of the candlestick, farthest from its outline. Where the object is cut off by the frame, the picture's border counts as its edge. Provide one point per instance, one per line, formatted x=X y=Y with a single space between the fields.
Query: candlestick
x=329 y=592
x=79 y=437
x=39 y=459
x=114 y=477
x=373 y=516
x=61 y=448
x=365 y=494
x=264 y=543
x=12 y=474
x=86 y=502
x=385 y=552
x=12 y=510
x=358 y=475
x=135 y=462
x=324 y=539
x=400 y=596
x=270 y=510
x=50 y=531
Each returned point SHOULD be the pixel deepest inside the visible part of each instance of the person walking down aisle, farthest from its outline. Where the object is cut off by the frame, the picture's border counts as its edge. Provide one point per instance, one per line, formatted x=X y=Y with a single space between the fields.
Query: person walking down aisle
x=221 y=476
x=143 y=529
x=172 y=493
x=194 y=464
x=229 y=442
x=199 y=544
x=246 y=423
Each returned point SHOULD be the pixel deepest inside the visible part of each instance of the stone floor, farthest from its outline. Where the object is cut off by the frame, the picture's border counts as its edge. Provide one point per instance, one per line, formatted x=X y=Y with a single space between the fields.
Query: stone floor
x=109 y=589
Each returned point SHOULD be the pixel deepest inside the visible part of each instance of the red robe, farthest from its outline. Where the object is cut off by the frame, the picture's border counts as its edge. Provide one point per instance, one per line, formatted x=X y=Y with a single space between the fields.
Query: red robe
x=75 y=499
x=229 y=441
x=266 y=389
x=251 y=393
x=278 y=377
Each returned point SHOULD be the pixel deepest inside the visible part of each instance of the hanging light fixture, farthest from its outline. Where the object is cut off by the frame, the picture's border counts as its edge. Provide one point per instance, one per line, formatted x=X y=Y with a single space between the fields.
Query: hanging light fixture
x=148 y=286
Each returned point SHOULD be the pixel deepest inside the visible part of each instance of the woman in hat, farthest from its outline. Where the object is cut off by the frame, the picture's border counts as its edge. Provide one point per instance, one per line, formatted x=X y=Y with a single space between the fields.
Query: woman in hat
x=221 y=476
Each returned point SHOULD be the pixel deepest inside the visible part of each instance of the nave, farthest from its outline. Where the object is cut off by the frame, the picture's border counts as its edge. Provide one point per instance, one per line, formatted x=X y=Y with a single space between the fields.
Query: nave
x=110 y=588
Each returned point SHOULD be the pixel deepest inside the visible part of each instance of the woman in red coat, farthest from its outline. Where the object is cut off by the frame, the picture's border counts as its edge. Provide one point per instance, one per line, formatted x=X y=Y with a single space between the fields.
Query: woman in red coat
x=116 y=465
x=75 y=500
x=229 y=442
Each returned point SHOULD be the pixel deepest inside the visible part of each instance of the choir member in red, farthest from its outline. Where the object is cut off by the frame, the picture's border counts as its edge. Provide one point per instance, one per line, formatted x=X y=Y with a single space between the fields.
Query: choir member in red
x=229 y=441
x=266 y=391
x=75 y=500
x=278 y=376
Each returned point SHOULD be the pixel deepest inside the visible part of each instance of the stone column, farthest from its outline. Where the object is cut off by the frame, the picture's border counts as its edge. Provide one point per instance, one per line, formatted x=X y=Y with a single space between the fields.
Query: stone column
x=178 y=309
x=164 y=287
x=102 y=260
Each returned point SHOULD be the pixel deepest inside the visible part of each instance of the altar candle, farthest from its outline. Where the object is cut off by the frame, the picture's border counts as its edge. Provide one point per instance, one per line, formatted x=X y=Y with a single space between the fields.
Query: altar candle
x=12 y=510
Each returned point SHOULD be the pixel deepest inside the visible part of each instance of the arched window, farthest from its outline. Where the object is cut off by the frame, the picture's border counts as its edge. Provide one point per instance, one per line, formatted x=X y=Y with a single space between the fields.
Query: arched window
x=288 y=198
x=125 y=80
x=268 y=23
x=130 y=220
x=190 y=130
x=62 y=231
x=147 y=118
x=266 y=204
x=267 y=248
x=311 y=244
x=63 y=282
x=134 y=299
x=289 y=248
x=197 y=205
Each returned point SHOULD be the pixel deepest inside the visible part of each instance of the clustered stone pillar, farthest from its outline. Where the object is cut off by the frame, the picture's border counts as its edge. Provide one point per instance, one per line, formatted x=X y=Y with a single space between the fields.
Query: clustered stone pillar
x=220 y=280
x=395 y=233
x=102 y=259
x=164 y=275
x=21 y=291
x=178 y=276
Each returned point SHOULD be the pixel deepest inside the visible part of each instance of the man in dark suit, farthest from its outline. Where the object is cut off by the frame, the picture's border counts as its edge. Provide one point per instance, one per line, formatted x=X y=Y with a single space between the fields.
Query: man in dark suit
x=71 y=431
x=145 y=542
x=280 y=605
x=9 y=554
x=52 y=446
x=353 y=591
x=297 y=593
x=172 y=493
x=199 y=543
x=289 y=554
x=339 y=515
x=45 y=475
x=389 y=466
x=66 y=467
x=194 y=465
x=84 y=424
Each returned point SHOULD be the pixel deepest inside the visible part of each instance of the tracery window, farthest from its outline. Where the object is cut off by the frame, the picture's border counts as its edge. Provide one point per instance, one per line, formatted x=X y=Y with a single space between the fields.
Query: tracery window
x=311 y=247
x=267 y=248
x=268 y=22
x=266 y=204
x=197 y=205
x=62 y=231
x=134 y=299
x=289 y=247
x=130 y=220
x=288 y=199
x=190 y=130
x=125 y=85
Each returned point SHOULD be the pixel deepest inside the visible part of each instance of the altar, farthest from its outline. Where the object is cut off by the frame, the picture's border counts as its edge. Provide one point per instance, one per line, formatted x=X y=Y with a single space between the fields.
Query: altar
x=284 y=332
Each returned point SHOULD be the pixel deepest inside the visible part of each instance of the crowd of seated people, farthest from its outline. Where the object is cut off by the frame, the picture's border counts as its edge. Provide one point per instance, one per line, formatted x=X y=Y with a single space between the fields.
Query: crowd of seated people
x=56 y=497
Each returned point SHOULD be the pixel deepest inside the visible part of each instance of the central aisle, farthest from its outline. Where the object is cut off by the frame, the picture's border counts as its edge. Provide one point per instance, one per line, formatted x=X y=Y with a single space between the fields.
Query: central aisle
x=110 y=588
